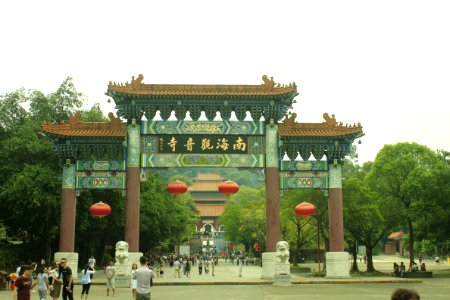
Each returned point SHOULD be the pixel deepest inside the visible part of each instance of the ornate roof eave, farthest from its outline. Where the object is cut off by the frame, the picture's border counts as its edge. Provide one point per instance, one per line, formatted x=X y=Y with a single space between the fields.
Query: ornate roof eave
x=328 y=130
x=74 y=129
x=137 y=89
x=270 y=100
x=330 y=139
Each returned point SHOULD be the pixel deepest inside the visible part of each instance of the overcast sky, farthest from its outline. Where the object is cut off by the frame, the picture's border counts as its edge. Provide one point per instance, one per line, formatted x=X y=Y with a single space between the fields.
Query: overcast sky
x=385 y=64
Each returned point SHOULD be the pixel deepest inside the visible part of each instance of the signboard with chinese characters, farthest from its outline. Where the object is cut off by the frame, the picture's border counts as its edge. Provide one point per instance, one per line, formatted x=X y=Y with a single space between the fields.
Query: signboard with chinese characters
x=177 y=143
x=202 y=144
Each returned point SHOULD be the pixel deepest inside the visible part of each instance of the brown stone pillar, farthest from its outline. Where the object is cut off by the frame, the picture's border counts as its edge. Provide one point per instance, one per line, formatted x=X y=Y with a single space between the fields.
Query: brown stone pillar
x=272 y=188
x=68 y=210
x=335 y=213
x=272 y=209
x=132 y=207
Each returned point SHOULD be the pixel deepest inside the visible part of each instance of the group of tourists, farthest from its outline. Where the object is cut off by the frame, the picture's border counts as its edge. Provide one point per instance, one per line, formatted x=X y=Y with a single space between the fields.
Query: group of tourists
x=50 y=280
x=399 y=270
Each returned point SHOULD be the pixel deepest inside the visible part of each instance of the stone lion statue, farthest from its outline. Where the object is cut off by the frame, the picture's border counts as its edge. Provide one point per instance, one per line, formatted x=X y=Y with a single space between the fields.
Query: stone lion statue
x=282 y=265
x=122 y=253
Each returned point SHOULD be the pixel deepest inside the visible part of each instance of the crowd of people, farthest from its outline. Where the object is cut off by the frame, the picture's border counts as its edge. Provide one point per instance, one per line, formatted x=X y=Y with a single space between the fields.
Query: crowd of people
x=56 y=280
x=51 y=280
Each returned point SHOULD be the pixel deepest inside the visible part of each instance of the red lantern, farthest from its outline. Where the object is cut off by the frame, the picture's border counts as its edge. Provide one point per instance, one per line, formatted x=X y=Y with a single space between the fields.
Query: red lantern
x=305 y=209
x=177 y=187
x=100 y=209
x=228 y=187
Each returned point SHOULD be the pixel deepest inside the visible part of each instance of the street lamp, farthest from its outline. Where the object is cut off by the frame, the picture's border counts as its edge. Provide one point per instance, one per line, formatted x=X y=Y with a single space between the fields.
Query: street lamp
x=306 y=209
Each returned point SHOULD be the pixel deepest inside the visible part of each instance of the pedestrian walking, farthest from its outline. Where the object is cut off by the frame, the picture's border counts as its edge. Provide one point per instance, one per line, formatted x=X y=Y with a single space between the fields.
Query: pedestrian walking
x=188 y=269
x=67 y=280
x=24 y=284
x=200 y=267
x=42 y=282
x=133 y=281
x=240 y=263
x=176 y=267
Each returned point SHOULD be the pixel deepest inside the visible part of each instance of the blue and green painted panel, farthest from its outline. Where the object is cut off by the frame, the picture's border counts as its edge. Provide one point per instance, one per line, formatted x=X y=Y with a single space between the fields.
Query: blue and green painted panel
x=311 y=165
x=150 y=160
x=95 y=165
x=101 y=180
x=304 y=180
x=203 y=127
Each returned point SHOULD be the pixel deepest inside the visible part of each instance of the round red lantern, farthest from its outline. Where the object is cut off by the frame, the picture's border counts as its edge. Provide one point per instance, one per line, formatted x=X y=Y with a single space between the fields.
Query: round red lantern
x=228 y=187
x=305 y=209
x=177 y=187
x=100 y=209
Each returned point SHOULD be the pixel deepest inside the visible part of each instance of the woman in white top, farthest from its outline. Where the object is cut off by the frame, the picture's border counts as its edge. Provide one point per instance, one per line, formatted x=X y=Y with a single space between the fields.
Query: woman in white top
x=133 y=280
x=42 y=279
x=86 y=280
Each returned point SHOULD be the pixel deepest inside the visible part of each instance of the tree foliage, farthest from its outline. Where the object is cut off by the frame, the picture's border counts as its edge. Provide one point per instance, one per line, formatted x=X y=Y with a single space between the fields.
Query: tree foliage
x=404 y=175
x=244 y=217
x=301 y=232
x=30 y=185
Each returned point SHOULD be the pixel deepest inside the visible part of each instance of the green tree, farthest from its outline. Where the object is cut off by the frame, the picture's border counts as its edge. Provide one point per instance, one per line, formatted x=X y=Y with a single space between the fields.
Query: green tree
x=165 y=219
x=302 y=232
x=400 y=175
x=30 y=177
x=245 y=217
x=366 y=218
x=94 y=114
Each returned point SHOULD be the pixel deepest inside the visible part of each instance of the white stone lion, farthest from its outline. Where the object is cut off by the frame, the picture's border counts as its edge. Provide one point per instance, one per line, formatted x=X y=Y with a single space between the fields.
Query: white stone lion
x=122 y=253
x=282 y=265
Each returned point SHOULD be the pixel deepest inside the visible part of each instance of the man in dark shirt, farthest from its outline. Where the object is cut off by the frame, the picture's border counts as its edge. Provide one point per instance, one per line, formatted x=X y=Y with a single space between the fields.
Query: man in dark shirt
x=66 y=274
x=23 y=284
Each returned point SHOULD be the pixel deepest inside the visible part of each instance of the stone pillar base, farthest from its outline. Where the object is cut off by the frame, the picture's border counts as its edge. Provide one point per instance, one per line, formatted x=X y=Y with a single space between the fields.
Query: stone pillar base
x=72 y=261
x=337 y=264
x=133 y=258
x=122 y=281
x=268 y=265
x=282 y=280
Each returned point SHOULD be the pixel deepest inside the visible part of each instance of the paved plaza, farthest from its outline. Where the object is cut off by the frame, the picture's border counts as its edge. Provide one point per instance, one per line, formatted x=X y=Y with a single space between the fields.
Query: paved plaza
x=226 y=284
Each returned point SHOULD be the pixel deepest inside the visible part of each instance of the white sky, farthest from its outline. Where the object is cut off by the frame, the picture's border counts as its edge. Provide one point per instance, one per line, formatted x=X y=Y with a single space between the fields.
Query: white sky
x=385 y=64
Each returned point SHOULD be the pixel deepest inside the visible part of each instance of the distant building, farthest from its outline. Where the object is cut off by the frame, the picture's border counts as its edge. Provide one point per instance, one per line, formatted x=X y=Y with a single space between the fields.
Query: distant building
x=395 y=243
x=209 y=201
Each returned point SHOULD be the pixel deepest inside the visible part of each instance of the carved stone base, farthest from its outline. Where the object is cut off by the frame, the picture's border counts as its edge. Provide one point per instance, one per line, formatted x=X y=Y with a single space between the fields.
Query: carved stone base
x=282 y=280
x=122 y=281
x=338 y=265
x=72 y=261
x=133 y=257
x=268 y=265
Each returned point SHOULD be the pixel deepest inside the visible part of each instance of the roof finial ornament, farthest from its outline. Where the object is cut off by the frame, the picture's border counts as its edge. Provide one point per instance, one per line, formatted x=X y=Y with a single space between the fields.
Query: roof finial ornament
x=268 y=83
x=290 y=120
x=329 y=121
x=137 y=81
x=75 y=120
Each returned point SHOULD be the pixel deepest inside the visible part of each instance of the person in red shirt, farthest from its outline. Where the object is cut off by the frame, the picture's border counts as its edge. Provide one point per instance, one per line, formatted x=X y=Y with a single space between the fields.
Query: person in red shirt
x=24 y=284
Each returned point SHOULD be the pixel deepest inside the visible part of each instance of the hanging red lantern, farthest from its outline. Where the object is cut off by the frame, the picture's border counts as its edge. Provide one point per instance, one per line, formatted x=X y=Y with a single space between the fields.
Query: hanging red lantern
x=228 y=187
x=305 y=209
x=100 y=210
x=177 y=187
